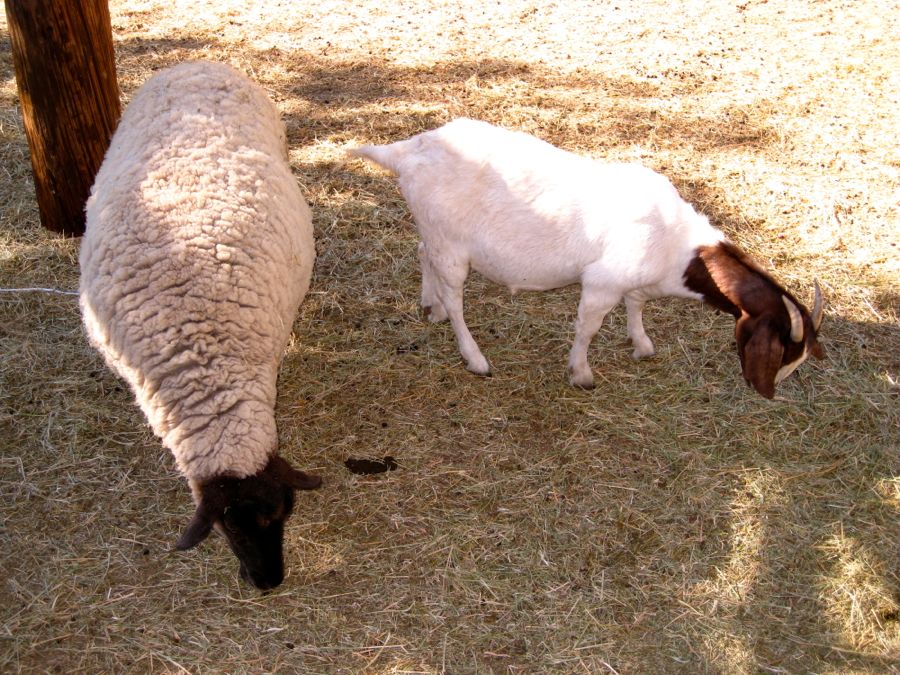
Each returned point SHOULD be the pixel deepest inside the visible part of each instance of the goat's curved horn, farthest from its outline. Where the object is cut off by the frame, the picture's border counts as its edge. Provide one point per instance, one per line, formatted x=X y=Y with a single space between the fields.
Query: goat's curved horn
x=818 y=305
x=796 y=320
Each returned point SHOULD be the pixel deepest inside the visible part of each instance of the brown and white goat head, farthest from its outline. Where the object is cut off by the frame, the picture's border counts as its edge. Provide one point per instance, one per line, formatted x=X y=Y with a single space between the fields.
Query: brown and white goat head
x=773 y=343
x=250 y=512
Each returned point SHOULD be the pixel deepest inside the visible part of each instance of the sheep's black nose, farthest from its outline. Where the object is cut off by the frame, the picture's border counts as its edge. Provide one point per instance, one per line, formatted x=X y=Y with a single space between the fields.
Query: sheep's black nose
x=264 y=580
x=267 y=584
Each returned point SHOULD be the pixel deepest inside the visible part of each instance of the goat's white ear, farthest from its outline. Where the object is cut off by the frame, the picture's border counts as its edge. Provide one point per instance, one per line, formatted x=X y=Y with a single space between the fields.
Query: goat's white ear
x=796 y=319
x=818 y=306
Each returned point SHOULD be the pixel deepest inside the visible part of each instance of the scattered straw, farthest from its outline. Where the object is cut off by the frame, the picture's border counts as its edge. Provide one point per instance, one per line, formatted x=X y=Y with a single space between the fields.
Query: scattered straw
x=669 y=521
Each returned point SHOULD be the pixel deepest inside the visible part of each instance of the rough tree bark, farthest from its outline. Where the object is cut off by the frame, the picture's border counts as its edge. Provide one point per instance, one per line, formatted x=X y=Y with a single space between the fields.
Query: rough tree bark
x=66 y=74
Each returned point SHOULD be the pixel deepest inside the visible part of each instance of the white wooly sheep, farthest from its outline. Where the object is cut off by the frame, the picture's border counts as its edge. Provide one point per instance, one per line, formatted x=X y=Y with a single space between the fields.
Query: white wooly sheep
x=533 y=217
x=197 y=252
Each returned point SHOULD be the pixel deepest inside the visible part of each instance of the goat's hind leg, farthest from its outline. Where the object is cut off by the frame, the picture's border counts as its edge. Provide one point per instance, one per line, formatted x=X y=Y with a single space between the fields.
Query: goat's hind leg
x=432 y=307
x=449 y=279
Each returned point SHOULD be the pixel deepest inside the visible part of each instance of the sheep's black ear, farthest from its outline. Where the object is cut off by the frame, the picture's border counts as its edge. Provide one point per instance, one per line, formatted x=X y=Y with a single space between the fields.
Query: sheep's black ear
x=761 y=352
x=209 y=510
x=285 y=473
x=197 y=530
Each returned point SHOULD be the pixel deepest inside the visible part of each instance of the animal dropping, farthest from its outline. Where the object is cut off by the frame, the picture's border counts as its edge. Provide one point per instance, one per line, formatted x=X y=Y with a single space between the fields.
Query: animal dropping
x=370 y=466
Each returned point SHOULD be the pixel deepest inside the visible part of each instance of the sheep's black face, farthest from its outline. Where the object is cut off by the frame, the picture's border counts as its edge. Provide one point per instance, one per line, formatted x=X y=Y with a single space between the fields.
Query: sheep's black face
x=254 y=529
x=251 y=513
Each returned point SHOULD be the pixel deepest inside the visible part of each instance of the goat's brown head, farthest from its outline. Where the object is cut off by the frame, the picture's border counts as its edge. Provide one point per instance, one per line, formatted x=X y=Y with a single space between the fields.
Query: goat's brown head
x=773 y=343
x=251 y=513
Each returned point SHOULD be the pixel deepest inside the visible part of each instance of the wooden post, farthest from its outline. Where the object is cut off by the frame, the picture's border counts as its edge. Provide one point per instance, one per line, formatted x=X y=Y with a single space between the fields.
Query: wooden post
x=65 y=68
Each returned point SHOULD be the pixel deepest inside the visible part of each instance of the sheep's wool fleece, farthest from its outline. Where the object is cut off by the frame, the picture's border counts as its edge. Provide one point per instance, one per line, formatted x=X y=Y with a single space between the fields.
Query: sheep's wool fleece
x=197 y=252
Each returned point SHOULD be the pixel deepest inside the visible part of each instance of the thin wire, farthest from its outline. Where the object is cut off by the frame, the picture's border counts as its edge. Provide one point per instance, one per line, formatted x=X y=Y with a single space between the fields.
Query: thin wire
x=37 y=290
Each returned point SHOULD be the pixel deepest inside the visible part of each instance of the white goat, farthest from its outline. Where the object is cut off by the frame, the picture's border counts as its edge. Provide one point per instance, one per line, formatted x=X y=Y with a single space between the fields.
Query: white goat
x=533 y=217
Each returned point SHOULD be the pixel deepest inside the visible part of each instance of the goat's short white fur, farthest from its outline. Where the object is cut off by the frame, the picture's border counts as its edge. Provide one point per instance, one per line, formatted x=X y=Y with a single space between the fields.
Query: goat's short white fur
x=528 y=215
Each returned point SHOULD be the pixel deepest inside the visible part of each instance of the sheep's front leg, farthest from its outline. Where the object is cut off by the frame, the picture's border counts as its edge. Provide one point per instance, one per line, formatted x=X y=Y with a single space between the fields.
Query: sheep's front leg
x=643 y=346
x=593 y=307
x=449 y=279
x=431 y=304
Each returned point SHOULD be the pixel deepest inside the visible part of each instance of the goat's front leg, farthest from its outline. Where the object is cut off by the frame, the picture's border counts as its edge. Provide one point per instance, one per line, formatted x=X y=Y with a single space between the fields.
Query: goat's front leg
x=643 y=346
x=595 y=303
x=431 y=304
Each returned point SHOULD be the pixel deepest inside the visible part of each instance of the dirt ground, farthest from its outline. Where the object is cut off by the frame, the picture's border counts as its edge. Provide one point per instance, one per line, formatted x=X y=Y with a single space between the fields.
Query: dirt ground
x=671 y=520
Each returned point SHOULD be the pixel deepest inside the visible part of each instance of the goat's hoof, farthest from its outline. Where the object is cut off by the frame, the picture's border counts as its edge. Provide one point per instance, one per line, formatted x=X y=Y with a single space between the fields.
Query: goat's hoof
x=434 y=314
x=643 y=347
x=582 y=381
x=483 y=369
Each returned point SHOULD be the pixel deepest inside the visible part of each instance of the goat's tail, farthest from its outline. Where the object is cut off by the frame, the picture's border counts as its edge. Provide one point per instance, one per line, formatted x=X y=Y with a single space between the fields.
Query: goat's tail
x=386 y=156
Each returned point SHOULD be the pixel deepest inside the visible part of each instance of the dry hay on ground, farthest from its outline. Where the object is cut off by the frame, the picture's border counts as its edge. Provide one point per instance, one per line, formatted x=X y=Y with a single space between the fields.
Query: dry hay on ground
x=669 y=521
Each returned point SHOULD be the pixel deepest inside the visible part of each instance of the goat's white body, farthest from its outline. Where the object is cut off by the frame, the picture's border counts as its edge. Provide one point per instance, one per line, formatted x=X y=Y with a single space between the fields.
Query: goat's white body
x=533 y=217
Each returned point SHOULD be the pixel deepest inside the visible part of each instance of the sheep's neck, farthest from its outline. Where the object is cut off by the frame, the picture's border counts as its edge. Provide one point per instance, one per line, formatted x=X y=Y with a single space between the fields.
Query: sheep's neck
x=730 y=281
